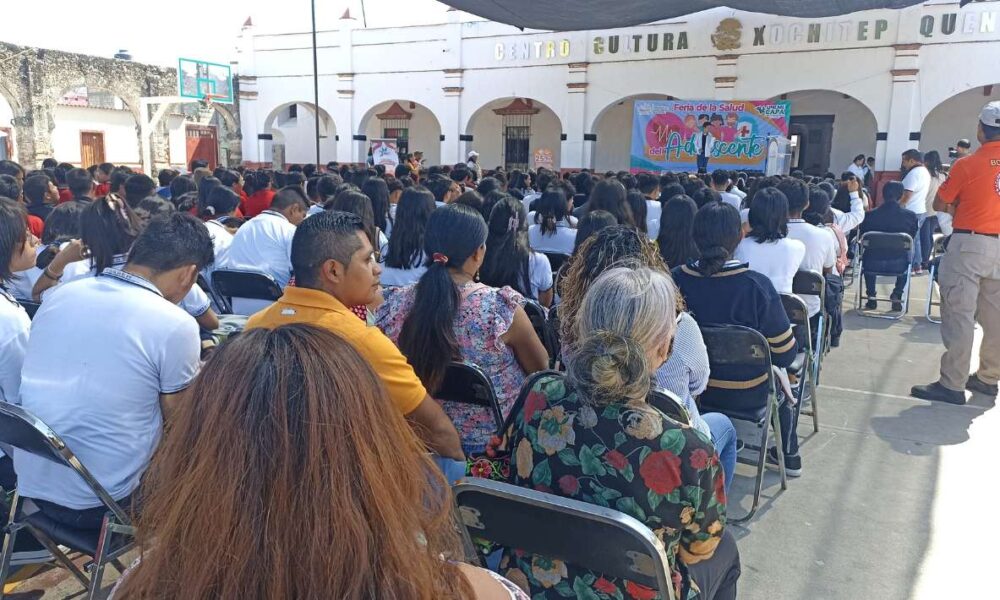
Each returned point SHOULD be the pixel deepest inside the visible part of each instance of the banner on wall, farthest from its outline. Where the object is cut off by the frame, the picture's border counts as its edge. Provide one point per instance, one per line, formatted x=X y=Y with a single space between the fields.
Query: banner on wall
x=385 y=152
x=544 y=157
x=669 y=135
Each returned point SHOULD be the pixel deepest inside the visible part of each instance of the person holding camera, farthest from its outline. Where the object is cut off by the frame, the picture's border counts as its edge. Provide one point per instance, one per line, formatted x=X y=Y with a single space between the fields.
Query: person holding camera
x=970 y=270
x=962 y=149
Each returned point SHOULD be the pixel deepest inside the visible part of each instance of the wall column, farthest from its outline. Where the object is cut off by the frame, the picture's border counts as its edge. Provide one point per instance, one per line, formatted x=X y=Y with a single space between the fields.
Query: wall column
x=904 y=113
x=575 y=152
x=726 y=76
x=451 y=150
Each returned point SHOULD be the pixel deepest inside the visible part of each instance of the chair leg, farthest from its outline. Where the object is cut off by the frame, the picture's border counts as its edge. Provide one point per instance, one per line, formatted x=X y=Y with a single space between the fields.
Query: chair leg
x=60 y=556
x=97 y=572
x=776 y=424
x=10 y=536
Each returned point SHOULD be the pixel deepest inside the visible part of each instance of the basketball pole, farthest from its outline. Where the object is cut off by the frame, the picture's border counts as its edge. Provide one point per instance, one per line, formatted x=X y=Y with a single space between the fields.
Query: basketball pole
x=315 y=81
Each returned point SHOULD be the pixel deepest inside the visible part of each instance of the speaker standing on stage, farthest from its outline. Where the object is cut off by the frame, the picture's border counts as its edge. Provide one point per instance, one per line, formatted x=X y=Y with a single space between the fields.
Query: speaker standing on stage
x=970 y=271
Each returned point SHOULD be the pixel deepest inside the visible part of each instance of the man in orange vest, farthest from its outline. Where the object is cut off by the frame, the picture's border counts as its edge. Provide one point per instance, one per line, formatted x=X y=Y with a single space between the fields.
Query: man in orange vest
x=970 y=270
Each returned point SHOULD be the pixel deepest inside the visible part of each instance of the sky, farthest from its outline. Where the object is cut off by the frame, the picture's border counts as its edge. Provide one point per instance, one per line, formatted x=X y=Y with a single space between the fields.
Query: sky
x=161 y=31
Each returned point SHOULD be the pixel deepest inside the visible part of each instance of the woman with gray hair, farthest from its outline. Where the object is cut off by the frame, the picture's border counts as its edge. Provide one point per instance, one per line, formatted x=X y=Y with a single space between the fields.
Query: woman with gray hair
x=592 y=436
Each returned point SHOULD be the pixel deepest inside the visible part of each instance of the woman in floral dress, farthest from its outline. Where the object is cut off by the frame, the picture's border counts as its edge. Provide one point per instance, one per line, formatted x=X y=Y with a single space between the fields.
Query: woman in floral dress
x=449 y=316
x=591 y=436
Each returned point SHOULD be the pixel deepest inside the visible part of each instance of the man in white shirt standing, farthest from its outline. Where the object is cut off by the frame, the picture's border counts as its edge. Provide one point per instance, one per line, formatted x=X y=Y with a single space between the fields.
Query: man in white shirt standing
x=821 y=245
x=703 y=144
x=107 y=358
x=917 y=182
x=264 y=243
x=722 y=181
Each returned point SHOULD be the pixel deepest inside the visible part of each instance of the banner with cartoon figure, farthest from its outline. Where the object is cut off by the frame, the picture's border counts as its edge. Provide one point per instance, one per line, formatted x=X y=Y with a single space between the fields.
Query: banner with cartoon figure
x=705 y=135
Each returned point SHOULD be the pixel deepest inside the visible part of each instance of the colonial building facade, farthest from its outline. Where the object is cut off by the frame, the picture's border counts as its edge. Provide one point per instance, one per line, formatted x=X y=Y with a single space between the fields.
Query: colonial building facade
x=876 y=82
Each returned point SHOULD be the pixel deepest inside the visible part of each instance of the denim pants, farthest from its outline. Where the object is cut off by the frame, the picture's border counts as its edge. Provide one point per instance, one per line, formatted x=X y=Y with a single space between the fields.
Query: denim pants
x=453 y=469
x=724 y=440
x=789 y=428
x=702 y=164
x=917 y=252
x=926 y=235
x=886 y=266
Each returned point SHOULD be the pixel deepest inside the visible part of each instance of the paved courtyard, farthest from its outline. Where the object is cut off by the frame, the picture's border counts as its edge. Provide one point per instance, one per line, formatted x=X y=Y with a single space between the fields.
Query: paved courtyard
x=895 y=501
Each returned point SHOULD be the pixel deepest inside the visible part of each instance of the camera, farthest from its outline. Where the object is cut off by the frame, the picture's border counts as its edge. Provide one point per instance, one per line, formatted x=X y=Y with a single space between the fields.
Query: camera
x=952 y=153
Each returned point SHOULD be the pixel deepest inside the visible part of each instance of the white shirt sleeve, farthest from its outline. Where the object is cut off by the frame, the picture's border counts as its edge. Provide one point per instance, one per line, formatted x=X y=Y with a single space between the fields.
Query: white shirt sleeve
x=180 y=358
x=911 y=180
x=12 y=352
x=848 y=221
x=540 y=272
x=196 y=302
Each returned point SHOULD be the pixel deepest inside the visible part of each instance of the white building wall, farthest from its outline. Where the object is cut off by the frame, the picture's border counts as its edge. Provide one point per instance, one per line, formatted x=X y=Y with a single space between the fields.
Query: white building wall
x=424 y=131
x=487 y=132
x=954 y=119
x=121 y=138
x=854 y=126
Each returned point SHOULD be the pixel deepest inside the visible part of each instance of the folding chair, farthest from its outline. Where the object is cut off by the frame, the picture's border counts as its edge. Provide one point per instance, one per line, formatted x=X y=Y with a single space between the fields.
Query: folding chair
x=556 y=260
x=811 y=283
x=666 y=402
x=933 y=289
x=250 y=285
x=29 y=306
x=554 y=325
x=745 y=350
x=539 y=322
x=803 y=367
x=900 y=245
x=466 y=383
x=580 y=534
x=218 y=302
x=26 y=433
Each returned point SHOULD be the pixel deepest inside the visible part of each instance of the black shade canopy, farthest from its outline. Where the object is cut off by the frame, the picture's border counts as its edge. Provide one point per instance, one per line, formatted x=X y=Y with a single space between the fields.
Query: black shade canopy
x=576 y=15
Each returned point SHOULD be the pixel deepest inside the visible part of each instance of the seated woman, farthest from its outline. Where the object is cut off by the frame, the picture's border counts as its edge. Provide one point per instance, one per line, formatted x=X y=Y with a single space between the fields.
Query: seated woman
x=17 y=253
x=589 y=225
x=768 y=249
x=405 y=261
x=311 y=434
x=610 y=195
x=449 y=316
x=62 y=225
x=553 y=227
x=107 y=229
x=355 y=202
x=722 y=291
x=510 y=261
x=677 y=247
x=685 y=373
x=592 y=436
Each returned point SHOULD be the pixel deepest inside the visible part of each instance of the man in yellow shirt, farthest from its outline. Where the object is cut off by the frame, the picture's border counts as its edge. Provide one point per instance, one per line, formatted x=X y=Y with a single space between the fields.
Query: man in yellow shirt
x=335 y=268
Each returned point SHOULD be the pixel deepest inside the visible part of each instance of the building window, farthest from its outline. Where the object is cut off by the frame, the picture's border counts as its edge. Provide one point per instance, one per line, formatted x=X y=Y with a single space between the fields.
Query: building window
x=402 y=137
x=293 y=111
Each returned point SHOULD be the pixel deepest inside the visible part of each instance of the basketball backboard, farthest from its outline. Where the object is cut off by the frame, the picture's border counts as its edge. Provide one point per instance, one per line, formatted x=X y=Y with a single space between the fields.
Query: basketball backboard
x=197 y=79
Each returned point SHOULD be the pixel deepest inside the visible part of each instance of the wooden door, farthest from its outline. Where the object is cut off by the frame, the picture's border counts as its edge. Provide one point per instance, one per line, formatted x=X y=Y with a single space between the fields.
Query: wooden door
x=202 y=144
x=816 y=141
x=91 y=148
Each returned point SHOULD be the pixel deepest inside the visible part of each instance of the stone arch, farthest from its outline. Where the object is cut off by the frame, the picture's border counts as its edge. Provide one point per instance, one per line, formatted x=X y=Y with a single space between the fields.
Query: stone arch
x=954 y=118
x=422 y=125
x=831 y=128
x=613 y=126
x=293 y=138
x=485 y=126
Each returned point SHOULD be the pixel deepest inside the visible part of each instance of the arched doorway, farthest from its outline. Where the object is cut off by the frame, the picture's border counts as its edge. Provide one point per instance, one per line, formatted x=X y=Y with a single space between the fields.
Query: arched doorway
x=513 y=132
x=955 y=119
x=93 y=126
x=292 y=127
x=411 y=124
x=613 y=127
x=828 y=129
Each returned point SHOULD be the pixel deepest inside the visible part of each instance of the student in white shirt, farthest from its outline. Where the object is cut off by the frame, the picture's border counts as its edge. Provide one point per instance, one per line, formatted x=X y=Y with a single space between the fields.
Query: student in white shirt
x=357 y=203
x=222 y=204
x=17 y=253
x=264 y=243
x=820 y=244
x=552 y=230
x=509 y=260
x=106 y=359
x=721 y=182
x=848 y=205
x=917 y=184
x=405 y=261
x=858 y=167
x=649 y=185
x=767 y=248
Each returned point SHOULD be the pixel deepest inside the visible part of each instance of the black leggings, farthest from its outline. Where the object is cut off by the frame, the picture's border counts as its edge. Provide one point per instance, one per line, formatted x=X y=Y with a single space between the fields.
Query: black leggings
x=717 y=577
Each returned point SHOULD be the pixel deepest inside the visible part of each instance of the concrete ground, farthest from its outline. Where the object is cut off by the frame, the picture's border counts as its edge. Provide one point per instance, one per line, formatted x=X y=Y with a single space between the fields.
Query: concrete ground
x=895 y=501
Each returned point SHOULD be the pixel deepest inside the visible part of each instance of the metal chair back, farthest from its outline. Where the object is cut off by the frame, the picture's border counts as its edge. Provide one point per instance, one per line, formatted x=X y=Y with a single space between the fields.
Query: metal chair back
x=540 y=323
x=582 y=535
x=467 y=384
x=229 y=284
x=556 y=260
x=899 y=243
x=669 y=404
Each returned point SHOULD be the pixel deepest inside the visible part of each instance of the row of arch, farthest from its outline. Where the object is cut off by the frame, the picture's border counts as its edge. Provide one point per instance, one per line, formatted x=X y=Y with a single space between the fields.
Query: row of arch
x=854 y=131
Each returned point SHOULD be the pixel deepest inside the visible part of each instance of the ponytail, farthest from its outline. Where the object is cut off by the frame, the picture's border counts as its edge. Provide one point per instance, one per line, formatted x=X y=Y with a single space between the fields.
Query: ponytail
x=712 y=260
x=717 y=232
x=427 y=338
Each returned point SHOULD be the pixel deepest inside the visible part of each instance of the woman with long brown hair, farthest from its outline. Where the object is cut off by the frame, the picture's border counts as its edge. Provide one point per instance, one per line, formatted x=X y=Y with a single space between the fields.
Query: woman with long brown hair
x=300 y=481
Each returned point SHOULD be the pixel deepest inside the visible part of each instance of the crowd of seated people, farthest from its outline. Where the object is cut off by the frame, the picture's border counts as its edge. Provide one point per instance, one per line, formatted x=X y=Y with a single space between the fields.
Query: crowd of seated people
x=412 y=269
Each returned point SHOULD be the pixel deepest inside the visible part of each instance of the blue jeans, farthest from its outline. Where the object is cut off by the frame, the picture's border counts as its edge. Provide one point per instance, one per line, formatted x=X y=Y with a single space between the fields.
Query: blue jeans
x=917 y=254
x=702 y=164
x=453 y=469
x=724 y=440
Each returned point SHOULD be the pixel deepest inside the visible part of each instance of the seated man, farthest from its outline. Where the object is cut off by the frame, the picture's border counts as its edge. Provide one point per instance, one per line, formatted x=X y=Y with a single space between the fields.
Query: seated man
x=264 y=243
x=106 y=360
x=821 y=244
x=889 y=217
x=335 y=268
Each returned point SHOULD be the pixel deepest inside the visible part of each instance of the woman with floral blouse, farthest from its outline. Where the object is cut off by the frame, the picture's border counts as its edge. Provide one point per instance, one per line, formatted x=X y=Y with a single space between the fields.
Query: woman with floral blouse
x=593 y=437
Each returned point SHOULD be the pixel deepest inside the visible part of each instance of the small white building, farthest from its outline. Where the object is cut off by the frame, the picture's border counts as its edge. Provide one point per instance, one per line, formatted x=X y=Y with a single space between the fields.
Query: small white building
x=876 y=82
